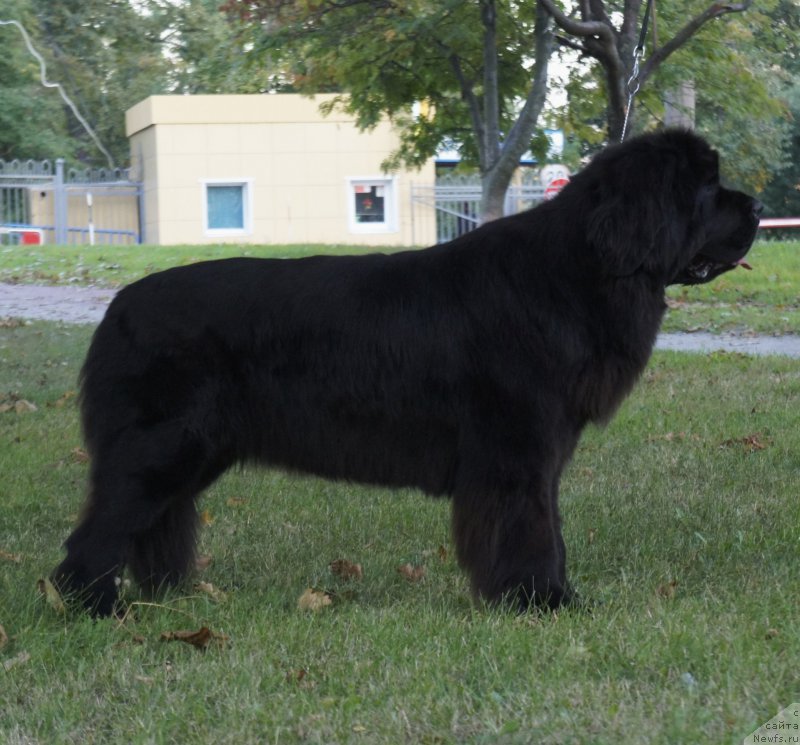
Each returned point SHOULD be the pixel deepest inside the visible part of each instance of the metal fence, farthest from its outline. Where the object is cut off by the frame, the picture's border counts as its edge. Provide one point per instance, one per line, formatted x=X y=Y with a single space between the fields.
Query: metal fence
x=44 y=200
x=457 y=200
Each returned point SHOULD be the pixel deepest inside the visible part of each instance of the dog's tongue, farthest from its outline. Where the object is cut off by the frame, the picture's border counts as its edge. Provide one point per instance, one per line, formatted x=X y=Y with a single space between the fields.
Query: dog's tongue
x=742 y=263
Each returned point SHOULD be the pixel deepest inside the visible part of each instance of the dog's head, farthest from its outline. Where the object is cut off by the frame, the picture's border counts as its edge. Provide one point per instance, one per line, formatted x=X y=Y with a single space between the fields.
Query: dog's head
x=659 y=209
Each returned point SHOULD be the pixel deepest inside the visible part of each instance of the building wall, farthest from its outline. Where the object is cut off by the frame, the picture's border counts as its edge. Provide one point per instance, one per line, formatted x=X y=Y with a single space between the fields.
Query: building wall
x=297 y=166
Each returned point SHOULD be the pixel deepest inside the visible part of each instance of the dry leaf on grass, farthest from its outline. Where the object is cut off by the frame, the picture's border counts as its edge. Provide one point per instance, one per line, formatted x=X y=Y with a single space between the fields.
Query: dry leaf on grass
x=346 y=569
x=217 y=595
x=51 y=595
x=8 y=556
x=668 y=590
x=750 y=443
x=235 y=501
x=440 y=553
x=203 y=562
x=200 y=639
x=412 y=572
x=206 y=518
x=301 y=679
x=314 y=600
x=20 y=659
x=79 y=455
x=64 y=399
x=17 y=405
x=3 y=637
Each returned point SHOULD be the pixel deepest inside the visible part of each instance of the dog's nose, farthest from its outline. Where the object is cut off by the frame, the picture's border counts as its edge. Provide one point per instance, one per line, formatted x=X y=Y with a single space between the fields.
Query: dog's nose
x=758 y=208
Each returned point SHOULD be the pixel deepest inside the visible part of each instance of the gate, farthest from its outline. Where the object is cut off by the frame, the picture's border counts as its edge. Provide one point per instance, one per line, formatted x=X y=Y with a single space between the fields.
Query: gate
x=44 y=203
x=457 y=200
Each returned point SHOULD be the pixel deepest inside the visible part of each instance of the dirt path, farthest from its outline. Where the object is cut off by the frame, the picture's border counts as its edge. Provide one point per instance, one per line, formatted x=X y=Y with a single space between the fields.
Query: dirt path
x=73 y=304
x=69 y=303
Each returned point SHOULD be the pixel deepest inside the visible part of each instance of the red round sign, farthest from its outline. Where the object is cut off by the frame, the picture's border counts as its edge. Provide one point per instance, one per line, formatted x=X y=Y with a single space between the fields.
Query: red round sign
x=555 y=186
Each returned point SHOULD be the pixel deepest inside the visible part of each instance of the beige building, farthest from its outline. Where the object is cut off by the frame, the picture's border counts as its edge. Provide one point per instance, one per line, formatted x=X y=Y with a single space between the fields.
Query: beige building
x=270 y=169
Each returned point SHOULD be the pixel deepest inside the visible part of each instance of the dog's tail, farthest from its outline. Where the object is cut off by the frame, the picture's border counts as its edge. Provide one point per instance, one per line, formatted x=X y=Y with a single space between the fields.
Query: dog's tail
x=165 y=553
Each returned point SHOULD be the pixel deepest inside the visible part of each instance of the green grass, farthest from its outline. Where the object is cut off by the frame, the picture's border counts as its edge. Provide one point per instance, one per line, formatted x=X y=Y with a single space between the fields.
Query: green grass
x=682 y=523
x=764 y=301
x=114 y=266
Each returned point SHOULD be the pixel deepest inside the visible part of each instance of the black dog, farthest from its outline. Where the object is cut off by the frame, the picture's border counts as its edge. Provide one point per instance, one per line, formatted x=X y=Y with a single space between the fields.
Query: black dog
x=468 y=369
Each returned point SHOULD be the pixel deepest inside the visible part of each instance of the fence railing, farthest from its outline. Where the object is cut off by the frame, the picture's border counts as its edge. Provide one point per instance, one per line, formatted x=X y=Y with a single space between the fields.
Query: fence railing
x=69 y=206
x=457 y=205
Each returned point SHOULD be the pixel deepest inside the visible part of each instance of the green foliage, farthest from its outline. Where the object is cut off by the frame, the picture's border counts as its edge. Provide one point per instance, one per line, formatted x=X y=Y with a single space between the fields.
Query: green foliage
x=387 y=57
x=107 y=55
x=732 y=63
x=735 y=64
x=23 y=101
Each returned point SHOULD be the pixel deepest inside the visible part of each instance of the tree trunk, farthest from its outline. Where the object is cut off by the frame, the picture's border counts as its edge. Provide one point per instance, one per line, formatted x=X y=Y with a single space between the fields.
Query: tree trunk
x=499 y=159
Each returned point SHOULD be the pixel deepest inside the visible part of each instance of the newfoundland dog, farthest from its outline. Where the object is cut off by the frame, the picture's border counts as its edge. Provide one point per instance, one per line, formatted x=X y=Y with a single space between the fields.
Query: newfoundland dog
x=467 y=370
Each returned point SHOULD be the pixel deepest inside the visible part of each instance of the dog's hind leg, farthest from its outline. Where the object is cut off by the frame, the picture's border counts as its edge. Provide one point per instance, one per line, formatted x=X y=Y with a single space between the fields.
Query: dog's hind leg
x=140 y=511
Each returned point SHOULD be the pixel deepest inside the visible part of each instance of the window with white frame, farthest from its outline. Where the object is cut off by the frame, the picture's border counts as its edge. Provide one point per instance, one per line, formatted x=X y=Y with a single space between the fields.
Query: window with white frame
x=372 y=205
x=227 y=206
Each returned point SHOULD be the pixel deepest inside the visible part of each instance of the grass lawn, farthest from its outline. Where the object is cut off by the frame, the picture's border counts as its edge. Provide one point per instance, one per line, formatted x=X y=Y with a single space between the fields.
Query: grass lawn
x=681 y=519
x=764 y=301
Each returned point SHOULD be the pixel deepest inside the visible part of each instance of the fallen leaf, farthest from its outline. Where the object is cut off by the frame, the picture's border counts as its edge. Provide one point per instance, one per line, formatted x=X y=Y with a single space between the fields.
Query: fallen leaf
x=217 y=595
x=440 y=553
x=23 y=407
x=411 y=572
x=591 y=535
x=206 y=518
x=301 y=679
x=8 y=556
x=20 y=659
x=771 y=633
x=314 y=600
x=750 y=443
x=235 y=501
x=65 y=398
x=203 y=562
x=200 y=639
x=51 y=595
x=668 y=590
x=346 y=569
x=79 y=455
x=3 y=637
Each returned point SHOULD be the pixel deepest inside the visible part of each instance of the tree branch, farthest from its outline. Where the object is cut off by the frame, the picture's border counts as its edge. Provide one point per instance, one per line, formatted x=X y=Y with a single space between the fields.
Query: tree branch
x=469 y=97
x=491 y=95
x=716 y=10
x=596 y=29
x=534 y=103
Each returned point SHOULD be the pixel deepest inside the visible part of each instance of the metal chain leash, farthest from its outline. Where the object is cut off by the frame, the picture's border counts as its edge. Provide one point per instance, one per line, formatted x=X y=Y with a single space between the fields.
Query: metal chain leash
x=633 y=81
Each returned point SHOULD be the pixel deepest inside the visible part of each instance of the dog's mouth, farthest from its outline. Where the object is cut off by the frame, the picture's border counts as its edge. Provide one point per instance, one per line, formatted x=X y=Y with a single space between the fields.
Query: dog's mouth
x=703 y=269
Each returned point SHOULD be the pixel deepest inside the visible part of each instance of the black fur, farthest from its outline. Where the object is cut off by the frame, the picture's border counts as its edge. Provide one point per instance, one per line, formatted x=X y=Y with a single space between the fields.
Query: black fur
x=468 y=369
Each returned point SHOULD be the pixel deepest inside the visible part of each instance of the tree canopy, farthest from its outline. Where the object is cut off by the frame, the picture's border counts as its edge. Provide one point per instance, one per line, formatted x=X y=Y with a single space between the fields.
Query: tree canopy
x=470 y=73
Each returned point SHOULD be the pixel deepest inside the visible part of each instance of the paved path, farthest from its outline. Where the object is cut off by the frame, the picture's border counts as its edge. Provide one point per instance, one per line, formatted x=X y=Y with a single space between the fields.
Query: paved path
x=74 y=304
x=68 y=303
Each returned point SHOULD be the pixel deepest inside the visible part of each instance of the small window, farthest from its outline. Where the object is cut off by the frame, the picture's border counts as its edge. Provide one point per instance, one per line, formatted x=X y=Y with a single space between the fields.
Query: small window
x=227 y=207
x=371 y=205
x=370 y=202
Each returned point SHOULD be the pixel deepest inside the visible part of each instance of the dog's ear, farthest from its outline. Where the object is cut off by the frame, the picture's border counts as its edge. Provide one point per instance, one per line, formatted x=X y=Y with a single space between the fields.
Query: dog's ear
x=623 y=228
